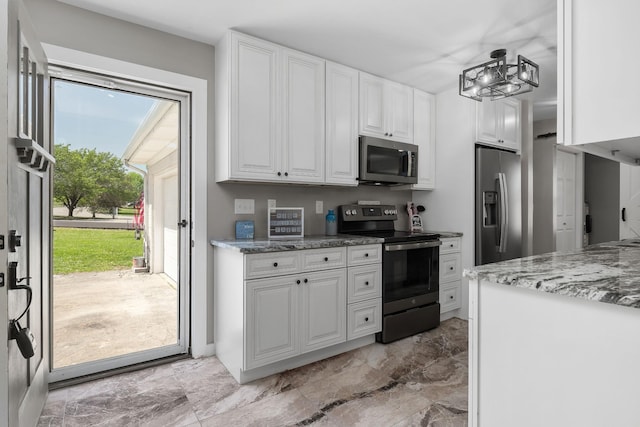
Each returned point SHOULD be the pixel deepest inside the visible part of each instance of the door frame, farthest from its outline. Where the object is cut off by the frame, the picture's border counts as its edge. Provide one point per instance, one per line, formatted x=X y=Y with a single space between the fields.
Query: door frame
x=81 y=77
x=579 y=196
x=201 y=318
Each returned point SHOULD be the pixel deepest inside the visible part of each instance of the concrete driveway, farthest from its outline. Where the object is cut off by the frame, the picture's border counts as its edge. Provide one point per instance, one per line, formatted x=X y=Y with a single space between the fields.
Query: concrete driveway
x=105 y=314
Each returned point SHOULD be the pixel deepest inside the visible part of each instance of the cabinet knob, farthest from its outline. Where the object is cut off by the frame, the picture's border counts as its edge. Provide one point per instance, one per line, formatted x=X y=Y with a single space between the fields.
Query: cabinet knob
x=366 y=319
x=279 y=174
x=451 y=297
x=451 y=268
x=298 y=282
x=326 y=259
x=306 y=280
x=275 y=264
x=390 y=134
x=450 y=245
x=366 y=283
x=386 y=134
x=286 y=174
x=366 y=255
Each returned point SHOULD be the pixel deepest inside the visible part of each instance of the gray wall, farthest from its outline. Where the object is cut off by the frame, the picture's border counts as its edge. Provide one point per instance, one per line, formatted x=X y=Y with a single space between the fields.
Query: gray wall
x=67 y=26
x=602 y=193
x=544 y=158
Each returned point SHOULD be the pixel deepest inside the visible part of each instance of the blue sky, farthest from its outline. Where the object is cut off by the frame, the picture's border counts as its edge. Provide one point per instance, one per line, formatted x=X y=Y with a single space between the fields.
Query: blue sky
x=92 y=117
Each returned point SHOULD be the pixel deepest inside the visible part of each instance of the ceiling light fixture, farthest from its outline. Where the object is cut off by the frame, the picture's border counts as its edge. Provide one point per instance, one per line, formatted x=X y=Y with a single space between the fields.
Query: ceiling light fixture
x=496 y=79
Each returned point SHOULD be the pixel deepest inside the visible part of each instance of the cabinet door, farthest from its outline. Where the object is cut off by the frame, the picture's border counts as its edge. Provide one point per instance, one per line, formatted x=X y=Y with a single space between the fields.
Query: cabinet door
x=372 y=113
x=255 y=142
x=399 y=109
x=323 y=305
x=510 y=124
x=424 y=138
x=487 y=122
x=303 y=117
x=341 y=125
x=271 y=321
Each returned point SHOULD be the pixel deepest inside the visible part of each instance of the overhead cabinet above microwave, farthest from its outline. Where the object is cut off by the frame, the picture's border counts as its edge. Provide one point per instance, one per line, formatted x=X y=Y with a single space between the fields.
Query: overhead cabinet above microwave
x=386 y=109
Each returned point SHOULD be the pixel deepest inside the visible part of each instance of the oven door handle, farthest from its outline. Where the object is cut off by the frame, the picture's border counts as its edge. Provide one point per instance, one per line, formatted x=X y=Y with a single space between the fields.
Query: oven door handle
x=391 y=247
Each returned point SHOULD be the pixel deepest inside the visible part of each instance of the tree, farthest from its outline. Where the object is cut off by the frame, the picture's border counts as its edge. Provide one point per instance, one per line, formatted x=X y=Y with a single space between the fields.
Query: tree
x=97 y=180
x=72 y=181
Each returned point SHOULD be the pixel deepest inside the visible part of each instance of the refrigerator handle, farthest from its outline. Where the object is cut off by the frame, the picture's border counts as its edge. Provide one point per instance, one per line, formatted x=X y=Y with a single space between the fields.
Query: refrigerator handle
x=504 y=219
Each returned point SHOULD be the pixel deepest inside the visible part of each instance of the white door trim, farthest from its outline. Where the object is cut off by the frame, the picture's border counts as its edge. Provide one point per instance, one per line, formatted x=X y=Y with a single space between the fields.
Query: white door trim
x=200 y=245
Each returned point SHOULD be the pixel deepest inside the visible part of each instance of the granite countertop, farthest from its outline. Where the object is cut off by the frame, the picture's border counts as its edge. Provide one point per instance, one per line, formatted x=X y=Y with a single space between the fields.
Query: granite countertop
x=445 y=234
x=606 y=272
x=256 y=246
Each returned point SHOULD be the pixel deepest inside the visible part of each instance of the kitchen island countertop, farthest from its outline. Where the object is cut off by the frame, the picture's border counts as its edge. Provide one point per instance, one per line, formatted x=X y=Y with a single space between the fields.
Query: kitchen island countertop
x=261 y=245
x=606 y=272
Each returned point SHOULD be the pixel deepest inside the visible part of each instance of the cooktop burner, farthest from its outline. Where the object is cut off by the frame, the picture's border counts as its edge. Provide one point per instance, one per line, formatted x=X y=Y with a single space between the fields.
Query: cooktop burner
x=376 y=221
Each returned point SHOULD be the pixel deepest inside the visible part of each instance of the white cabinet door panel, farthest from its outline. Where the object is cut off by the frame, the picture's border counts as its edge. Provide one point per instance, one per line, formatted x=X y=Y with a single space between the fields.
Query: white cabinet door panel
x=255 y=141
x=323 y=317
x=303 y=116
x=271 y=321
x=400 y=112
x=372 y=111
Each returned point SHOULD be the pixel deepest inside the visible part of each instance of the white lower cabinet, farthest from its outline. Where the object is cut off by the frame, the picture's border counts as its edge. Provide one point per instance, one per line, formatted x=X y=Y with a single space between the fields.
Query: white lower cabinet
x=450 y=274
x=278 y=310
x=294 y=314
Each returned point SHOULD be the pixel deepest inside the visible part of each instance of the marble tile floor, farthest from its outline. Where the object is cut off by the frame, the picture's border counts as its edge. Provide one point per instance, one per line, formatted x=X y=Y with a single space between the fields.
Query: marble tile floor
x=417 y=381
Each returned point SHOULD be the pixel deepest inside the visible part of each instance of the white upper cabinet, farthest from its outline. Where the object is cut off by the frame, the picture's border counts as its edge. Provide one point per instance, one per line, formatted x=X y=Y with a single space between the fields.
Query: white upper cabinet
x=269 y=112
x=341 y=149
x=386 y=109
x=424 y=136
x=498 y=123
x=593 y=107
x=303 y=117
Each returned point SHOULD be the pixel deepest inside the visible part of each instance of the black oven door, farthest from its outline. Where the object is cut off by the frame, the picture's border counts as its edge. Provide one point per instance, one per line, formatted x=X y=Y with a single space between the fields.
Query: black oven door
x=410 y=275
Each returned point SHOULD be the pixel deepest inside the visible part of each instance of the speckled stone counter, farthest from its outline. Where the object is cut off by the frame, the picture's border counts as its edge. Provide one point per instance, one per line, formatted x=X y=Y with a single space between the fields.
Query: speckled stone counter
x=308 y=242
x=446 y=234
x=607 y=272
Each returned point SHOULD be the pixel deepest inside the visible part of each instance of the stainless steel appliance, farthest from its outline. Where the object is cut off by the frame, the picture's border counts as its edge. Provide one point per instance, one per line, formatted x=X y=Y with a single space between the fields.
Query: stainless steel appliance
x=498 y=205
x=387 y=162
x=410 y=270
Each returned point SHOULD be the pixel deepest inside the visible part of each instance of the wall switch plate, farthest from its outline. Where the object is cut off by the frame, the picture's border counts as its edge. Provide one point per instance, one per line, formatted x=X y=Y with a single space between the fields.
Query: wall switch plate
x=271 y=203
x=244 y=206
x=319 y=207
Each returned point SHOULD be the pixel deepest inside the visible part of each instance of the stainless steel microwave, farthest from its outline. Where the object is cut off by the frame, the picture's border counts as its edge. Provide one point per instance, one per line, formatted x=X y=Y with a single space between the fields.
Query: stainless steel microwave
x=385 y=162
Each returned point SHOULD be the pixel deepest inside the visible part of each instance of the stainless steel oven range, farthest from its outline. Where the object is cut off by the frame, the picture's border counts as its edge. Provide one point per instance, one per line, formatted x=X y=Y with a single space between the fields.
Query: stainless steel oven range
x=410 y=273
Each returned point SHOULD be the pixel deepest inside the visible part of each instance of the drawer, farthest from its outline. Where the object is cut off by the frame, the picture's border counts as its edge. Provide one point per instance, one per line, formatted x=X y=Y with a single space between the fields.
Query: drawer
x=451 y=244
x=364 y=254
x=450 y=267
x=364 y=282
x=450 y=296
x=364 y=318
x=322 y=259
x=271 y=264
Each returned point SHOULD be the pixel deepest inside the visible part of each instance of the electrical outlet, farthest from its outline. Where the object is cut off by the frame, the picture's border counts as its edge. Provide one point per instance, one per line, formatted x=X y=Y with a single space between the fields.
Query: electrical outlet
x=244 y=206
x=319 y=208
x=271 y=203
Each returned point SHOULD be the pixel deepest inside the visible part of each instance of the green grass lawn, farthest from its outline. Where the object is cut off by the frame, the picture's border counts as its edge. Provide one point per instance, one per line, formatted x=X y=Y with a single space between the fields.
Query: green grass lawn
x=84 y=249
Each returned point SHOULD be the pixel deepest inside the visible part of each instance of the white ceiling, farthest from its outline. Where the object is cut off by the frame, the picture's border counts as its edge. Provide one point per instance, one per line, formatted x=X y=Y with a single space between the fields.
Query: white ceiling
x=422 y=43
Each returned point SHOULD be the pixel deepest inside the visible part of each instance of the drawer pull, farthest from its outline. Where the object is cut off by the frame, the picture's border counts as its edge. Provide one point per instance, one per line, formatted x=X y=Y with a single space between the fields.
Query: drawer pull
x=366 y=319
x=451 y=297
x=451 y=268
x=366 y=283
x=275 y=264
x=298 y=282
x=326 y=259
x=366 y=255
x=451 y=245
x=306 y=280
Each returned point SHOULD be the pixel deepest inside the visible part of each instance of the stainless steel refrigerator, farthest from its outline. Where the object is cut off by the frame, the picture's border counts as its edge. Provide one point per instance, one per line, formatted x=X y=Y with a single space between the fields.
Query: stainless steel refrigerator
x=498 y=205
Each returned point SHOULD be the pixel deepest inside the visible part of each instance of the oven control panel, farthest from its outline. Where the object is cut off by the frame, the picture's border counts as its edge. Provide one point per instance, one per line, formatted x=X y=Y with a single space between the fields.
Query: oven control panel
x=368 y=212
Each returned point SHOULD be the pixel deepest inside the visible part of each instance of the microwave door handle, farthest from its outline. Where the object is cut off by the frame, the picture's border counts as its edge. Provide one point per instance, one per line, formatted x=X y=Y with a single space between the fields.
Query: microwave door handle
x=504 y=218
x=409 y=164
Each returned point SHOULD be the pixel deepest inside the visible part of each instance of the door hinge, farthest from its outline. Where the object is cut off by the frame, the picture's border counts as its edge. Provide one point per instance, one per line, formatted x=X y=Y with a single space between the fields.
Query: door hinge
x=1 y=280
x=1 y=241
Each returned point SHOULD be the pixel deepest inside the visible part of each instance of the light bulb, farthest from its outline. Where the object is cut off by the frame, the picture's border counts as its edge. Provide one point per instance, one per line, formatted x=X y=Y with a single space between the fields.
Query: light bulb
x=524 y=75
